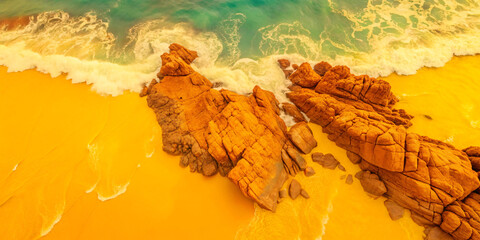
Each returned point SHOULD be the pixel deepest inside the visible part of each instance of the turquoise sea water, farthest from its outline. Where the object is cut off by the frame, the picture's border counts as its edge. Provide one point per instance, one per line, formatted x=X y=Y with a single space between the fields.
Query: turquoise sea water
x=375 y=37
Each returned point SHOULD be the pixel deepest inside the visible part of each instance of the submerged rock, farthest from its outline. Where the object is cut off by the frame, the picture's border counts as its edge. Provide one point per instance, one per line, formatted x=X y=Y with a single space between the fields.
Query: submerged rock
x=394 y=210
x=327 y=160
x=436 y=233
x=304 y=194
x=349 y=179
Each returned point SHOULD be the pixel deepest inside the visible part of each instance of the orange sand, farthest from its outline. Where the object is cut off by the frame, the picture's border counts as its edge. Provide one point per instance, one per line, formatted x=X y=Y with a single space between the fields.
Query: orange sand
x=68 y=140
x=59 y=141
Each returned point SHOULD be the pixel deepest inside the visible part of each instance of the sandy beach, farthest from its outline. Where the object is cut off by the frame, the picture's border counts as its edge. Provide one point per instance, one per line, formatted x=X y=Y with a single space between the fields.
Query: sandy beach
x=76 y=147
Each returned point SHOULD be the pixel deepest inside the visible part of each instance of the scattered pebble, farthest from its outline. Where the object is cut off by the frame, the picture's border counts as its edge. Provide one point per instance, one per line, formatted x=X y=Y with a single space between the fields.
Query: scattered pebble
x=309 y=171
x=282 y=193
x=349 y=179
x=304 y=194
x=294 y=189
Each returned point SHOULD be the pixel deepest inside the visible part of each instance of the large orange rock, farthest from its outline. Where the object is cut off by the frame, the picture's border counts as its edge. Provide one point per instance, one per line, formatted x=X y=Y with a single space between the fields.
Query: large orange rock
x=419 y=173
x=241 y=137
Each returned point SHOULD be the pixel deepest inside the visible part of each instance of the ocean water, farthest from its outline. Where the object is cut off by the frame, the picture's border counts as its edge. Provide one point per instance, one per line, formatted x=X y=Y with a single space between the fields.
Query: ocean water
x=116 y=44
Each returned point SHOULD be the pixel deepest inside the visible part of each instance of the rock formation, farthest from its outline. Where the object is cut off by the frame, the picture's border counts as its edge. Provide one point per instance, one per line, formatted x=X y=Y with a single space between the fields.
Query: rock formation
x=429 y=177
x=242 y=137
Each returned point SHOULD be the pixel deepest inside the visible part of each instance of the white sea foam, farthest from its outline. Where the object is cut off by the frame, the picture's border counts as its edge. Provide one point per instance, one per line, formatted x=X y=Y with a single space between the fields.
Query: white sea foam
x=105 y=77
x=57 y=43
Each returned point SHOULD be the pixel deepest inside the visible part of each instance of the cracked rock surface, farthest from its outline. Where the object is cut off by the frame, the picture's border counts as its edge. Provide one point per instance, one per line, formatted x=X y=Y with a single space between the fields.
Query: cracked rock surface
x=241 y=137
x=431 y=178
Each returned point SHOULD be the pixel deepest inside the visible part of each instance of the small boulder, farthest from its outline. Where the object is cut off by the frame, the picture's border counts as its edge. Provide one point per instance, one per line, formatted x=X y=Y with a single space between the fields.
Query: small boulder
x=321 y=68
x=304 y=194
x=294 y=189
x=282 y=193
x=349 y=179
x=305 y=76
x=284 y=63
x=309 y=171
x=302 y=137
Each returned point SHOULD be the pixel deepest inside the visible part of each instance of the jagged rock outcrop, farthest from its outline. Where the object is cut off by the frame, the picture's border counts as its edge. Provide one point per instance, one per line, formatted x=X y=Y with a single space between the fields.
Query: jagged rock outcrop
x=242 y=137
x=424 y=175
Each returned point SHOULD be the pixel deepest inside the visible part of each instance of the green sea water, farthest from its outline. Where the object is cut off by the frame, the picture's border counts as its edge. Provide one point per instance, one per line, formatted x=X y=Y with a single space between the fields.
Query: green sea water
x=236 y=40
x=263 y=27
